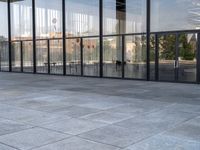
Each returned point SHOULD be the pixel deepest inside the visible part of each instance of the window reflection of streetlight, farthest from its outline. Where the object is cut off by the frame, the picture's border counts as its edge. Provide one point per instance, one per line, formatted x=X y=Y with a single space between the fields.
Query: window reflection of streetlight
x=54 y=21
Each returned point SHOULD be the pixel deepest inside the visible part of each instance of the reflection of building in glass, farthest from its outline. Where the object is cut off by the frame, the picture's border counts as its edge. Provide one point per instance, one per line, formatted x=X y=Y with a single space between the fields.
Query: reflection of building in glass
x=40 y=44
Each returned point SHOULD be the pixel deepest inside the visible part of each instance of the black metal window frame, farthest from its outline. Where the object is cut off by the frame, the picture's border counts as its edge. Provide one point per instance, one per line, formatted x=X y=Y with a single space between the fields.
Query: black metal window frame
x=148 y=34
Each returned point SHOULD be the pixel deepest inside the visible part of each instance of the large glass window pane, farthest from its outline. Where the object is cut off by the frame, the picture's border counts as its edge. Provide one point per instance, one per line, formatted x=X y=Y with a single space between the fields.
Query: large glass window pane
x=73 y=56
x=153 y=57
x=21 y=19
x=169 y=15
x=42 y=56
x=4 y=56
x=28 y=56
x=48 y=18
x=91 y=56
x=16 y=56
x=112 y=56
x=56 y=57
x=167 y=57
x=124 y=16
x=4 y=22
x=82 y=17
x=135 y=57
x=4 y=52
x=187 y=57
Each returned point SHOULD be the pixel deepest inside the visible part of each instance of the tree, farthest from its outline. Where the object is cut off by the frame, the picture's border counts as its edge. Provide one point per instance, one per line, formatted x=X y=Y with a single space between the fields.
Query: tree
x=168 y=47
x=186 y=49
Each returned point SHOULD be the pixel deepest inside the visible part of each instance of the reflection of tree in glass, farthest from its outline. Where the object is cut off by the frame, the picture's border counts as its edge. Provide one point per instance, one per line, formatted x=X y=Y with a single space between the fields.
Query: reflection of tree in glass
x=186 y=49
x=168 y=47
x=152 y=49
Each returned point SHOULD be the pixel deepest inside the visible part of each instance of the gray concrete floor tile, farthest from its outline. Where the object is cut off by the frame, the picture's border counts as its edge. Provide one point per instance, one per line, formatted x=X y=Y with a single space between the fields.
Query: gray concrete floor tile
x=9 y=126
x=74 y=126
x=185 y=108
x=5 y=147
x=102 y=104
x=107 y=117
x=117 y=136
x=157 y=121
x=163 y=142
x=103 y=113
x=76 y=143
x=31 y=138
x=138 y=108
x=189 y=130
x=76 y=111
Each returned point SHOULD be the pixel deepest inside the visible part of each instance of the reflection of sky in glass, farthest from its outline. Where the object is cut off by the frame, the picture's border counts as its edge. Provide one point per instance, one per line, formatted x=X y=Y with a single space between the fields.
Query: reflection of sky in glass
x=21 y=19
x=174 y=15
x=82 y=18
x=166 y=14
x=4 y=22
x=48 y=17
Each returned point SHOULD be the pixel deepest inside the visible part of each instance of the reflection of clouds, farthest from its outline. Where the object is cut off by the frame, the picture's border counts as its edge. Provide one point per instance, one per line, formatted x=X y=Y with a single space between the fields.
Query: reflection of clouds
x=176 y=15
x=196 y=2
x=194 y=14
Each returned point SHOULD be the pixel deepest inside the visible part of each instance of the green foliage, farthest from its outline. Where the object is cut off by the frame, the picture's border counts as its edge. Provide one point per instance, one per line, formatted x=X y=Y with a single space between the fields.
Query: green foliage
x=152 y=50
x=168 y=47
x=186 y=49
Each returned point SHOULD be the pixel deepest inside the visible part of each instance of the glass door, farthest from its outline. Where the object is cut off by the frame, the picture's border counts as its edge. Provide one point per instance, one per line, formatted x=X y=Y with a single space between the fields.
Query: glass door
x=91 y=56
x=177 y=57
x=73 y=56
x=187 y=62
x=167 y=60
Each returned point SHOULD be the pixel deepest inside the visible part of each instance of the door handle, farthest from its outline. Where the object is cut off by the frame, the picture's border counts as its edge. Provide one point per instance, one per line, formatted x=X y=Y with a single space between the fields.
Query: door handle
x=174 y=63
x=177 y=64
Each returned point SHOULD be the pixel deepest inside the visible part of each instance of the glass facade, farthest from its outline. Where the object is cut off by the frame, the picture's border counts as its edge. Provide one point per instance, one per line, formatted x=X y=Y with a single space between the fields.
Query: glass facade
x=135 y=57
x=155 y=40
x=174 y=15
x=124 y=16
x=91 y=56
x=16 y=56
x=73 y=56
x=174 y=44
x=82 y=18
x=21 y=19
x=4 y=48
x=48 y=18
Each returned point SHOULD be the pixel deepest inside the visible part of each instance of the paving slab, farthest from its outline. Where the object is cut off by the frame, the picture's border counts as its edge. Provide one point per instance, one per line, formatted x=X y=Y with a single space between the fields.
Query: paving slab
x=117 y=136
x=5 y=147
x=76 y=143
x=74 y=126
x=189 y=130
x=158 y=121
x=31 y=138
x=164 y=142
x=9 y=126
x=77 y=111
x=107 y=117
x=62 y=112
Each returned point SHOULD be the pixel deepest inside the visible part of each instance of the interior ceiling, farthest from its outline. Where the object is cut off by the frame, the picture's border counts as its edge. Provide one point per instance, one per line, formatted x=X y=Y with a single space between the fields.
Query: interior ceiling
x=121 y=5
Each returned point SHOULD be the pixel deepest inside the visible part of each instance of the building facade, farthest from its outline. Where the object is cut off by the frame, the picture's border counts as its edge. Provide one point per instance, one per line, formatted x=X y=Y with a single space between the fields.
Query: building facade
x=154 y=40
